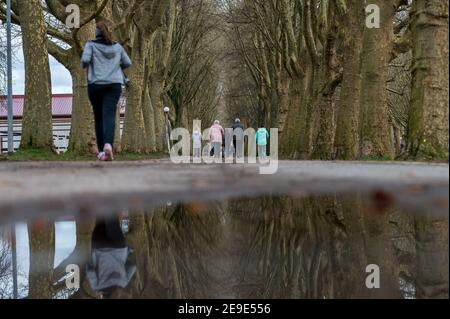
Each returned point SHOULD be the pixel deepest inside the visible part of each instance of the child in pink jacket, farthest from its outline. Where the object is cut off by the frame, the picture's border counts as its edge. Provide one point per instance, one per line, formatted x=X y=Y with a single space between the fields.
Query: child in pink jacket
x=216 y=134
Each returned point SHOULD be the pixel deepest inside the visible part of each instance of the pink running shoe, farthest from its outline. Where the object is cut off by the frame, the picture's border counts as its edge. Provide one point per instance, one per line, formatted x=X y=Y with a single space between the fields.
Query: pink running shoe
x=101 y=156
x=108 y=153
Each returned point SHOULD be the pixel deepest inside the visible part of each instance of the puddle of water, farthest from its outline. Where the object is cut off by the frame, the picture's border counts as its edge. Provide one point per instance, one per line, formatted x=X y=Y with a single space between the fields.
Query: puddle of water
x=337 y=246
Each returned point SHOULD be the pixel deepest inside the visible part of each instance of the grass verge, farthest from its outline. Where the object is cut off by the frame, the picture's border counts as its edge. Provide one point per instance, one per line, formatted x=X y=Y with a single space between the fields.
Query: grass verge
x=40 y=155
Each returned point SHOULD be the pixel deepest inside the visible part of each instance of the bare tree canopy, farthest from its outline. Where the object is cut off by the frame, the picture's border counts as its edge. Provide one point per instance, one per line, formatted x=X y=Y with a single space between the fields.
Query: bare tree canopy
x=333 y=86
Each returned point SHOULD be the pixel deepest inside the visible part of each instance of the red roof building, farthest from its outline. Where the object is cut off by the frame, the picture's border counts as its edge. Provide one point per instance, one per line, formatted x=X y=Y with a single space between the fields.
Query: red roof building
x=61 y=106
x=62 y=117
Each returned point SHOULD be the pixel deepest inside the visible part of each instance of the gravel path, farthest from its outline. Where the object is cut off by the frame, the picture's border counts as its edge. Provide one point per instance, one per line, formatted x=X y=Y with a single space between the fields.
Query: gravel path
x=64 y=188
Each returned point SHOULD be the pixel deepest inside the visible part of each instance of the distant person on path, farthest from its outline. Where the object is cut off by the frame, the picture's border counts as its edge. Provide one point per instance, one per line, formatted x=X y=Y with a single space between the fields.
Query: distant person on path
x=228 y=143
x=105 y=60
x=197 y=143
x=261 y=140
x=238 y=138
x=216 y=135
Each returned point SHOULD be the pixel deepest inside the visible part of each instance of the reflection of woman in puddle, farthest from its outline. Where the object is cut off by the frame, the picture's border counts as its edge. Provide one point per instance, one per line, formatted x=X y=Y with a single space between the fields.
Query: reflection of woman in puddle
x=109 y=270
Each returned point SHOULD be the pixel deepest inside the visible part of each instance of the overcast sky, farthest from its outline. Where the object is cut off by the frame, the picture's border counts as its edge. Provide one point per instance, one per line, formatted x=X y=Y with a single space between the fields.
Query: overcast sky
x=61 y=79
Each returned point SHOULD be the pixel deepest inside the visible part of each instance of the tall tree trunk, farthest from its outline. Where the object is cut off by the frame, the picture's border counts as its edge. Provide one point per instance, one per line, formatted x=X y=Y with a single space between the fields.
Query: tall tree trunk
x=323 y=146
x=157 y=103
x=160 y=56
x=147 y=21
x=428 y=121
x=37 y=130
x=41 y=239
x=82 y=136
x=347 y=138
x=134 y=135
x=149 y=119
x=374 y=118
x=304 y=145
x=117 y=133
x=294 y=120
x=283 y=87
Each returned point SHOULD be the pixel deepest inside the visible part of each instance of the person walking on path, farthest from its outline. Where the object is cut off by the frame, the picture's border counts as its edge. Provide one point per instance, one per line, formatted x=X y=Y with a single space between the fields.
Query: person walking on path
x=238 y=138
x=261 y=140
x=197 y=143
x=216 y=135
x=105 y=60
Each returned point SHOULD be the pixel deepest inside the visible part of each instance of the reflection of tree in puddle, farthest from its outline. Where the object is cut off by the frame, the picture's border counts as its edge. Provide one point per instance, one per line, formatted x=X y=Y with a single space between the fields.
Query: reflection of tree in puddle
x=270 y=247
x=41 y=238
x=432 y=257
x=80 y=257
x=170 y=245
x=295 y=250
x=5 y=267
x=319 y=247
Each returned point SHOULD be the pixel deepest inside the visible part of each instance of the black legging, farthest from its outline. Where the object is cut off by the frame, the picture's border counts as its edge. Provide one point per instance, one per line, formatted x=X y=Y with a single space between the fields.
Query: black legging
x=104 y=99
x=108 y=233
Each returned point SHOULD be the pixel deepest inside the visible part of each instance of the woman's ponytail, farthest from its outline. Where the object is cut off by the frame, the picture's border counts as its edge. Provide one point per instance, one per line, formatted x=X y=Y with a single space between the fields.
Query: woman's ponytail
x=106 y=31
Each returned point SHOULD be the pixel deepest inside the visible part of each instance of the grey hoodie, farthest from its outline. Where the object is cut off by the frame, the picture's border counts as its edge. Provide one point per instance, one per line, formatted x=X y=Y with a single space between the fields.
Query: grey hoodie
x=109 y=267
x=105 y=62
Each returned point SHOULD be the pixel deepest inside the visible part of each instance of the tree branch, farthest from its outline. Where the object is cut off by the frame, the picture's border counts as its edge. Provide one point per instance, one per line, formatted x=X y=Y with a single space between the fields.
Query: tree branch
x=57 y=9
x=309 y=36
x=60 y=35
x=85 y=22
x=58 y=53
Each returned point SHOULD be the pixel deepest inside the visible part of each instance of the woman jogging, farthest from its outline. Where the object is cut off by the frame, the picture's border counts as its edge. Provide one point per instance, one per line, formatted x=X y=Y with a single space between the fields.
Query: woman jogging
x=105 y=60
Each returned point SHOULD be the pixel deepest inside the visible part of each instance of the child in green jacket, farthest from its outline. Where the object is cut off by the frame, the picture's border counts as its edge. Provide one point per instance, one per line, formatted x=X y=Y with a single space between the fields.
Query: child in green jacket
x=261 y=140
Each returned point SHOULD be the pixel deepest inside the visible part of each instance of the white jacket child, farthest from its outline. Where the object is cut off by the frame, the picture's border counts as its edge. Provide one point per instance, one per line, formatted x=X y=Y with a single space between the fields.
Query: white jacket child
x=197 y=140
